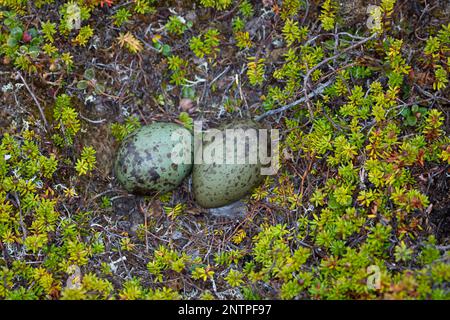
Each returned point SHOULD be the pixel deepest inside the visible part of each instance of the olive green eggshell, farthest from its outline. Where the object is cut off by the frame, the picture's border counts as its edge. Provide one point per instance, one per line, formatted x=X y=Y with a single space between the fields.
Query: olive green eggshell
x=147 y=160
x=218 y=184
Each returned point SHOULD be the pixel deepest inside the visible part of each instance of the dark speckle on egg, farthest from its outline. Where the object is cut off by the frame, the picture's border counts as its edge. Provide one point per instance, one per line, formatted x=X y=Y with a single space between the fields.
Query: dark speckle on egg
x=143 y=164
x=221 y=184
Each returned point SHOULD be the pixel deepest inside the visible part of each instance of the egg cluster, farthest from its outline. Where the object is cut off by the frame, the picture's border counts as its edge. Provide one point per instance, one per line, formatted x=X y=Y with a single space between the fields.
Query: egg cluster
x=156 y=158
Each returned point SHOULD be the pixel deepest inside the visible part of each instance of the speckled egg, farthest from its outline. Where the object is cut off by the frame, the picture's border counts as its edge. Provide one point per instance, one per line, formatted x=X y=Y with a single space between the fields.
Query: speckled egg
x=155 y=158
x=217 y=183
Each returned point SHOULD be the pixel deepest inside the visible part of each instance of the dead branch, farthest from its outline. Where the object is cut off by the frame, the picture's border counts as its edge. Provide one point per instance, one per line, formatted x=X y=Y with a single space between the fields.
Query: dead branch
x=41 y=111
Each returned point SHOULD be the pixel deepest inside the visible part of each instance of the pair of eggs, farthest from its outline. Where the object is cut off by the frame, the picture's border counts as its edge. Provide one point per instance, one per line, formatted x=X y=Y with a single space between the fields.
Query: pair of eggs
x=156 y=158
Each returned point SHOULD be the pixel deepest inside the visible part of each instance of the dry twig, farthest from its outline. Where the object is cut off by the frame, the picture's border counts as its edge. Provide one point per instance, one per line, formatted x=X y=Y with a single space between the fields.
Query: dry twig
x=320 y=88
x=41 y=111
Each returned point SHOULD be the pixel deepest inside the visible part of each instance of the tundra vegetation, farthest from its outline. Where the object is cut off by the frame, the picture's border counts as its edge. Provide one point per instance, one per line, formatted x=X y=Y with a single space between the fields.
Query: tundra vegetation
x=357 y=89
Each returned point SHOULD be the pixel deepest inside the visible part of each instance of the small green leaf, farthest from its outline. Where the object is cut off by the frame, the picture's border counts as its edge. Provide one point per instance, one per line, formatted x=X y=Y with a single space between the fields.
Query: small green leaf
x=332 y=203
x=188 y=92
x=157 y=45
x=411 y=120
x=12 y=42
x=33 y=32
x=89 y=74
x=82 y=84
x=405 y=112
x=16 y=33
x=34 y=52
x=423 y=110
x=99 y=88
x=166 y=50
x=9 y=21
x=187 y=120
x=36 y=41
